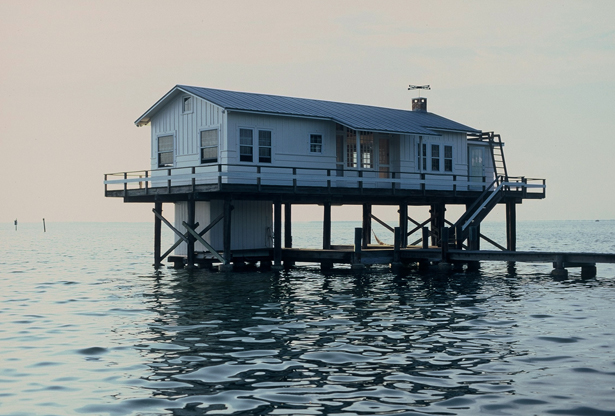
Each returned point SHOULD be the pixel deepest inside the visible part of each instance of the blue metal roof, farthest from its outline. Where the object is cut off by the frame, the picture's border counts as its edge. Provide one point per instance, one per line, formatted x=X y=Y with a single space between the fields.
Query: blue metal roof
x=355 y=116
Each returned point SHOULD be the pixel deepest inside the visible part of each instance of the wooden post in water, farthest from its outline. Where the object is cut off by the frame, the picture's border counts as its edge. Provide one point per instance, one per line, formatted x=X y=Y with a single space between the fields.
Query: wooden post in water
x=277 y=234
x=425 y=231
x=326 y=226
x=511 y=226
x=191 y=239
x=437 y=223
x=326 y=234
x=226 y=238
x=157 y=234
x=403 y=225
x=288 y=227
x=44 y=227
x=288 y=231
x=396 y=247
x=356 y=257
x=367 y=224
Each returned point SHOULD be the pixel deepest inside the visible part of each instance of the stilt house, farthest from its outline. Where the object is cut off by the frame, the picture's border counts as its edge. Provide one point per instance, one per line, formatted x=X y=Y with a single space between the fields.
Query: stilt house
x=229 y=160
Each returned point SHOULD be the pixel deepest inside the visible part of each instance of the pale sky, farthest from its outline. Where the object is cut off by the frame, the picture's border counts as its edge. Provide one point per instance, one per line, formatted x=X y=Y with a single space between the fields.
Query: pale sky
x=75 y=75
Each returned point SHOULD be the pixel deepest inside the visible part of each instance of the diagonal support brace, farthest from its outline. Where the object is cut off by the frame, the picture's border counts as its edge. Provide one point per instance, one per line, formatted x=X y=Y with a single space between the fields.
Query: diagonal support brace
x=205 y=243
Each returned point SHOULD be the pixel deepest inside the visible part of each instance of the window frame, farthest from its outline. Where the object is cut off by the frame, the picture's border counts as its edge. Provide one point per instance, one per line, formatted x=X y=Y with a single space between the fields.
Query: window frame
x=270 y=147
x=251 y=145
x=321 y=144
x=435 y=160
x=448 y=161
x=217 y=145
x=187 y=99
x=158 y=152
x=255 y=157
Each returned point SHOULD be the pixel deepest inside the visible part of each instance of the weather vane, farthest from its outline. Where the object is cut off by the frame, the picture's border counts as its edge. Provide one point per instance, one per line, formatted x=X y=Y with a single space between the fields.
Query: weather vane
x=419 y=87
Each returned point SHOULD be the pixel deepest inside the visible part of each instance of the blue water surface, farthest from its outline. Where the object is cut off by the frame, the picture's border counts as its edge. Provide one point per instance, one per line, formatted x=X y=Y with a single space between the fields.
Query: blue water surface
x=87 y=326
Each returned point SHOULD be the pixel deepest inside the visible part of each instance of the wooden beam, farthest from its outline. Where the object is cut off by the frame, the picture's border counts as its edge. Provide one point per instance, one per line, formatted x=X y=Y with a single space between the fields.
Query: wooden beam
x=277 y=232
x=191 y=239
x=175 y=230
x=367 y=225
x=326 y=226
x=288 y=227
x=403 y=224
x=157 y=234
x=511 y=226
x=200 y=240
x=384 y=224
x=227 y=209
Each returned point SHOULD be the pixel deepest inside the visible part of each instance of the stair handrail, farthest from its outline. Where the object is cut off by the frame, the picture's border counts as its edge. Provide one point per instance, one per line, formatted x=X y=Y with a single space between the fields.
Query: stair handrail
x=488 y=189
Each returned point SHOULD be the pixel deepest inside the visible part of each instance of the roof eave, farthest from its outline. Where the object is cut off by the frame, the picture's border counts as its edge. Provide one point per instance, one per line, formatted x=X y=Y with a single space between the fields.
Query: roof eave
x=147 y=116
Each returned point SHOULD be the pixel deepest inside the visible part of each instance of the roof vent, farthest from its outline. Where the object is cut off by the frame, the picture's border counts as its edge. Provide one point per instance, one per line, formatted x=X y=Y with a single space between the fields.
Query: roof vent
x=419 y=104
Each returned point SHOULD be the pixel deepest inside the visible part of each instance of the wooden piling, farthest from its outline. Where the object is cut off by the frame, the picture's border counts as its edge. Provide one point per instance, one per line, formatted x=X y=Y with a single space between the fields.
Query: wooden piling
x=326 y=234
x=356 y=258
x=157 y=235
x=511 y=226
x=288 y=231
x=367 y=225
x=191 y=239
x=437 y=223
x=277 y=234
x=226 y=225
x=403 y=224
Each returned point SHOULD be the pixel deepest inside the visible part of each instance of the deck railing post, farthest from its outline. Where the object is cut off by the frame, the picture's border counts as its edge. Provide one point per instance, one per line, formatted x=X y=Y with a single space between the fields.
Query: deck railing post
x=219 y=176
x=258 y=178
x=169 y=181
x=146 y=182
x=105 y=184
x=125 y=183
x=295 y=180
x=193 y=179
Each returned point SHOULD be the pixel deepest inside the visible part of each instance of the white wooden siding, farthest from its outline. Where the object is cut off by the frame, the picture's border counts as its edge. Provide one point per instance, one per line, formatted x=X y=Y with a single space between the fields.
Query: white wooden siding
x=186 y=128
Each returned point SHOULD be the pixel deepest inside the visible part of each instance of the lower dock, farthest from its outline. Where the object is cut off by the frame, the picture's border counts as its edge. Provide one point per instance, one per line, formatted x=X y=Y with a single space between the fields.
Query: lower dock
x=444 y=259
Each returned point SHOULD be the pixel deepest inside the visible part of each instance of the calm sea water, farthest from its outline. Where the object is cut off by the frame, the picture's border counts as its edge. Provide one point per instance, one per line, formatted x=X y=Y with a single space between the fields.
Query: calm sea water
x=88 y=327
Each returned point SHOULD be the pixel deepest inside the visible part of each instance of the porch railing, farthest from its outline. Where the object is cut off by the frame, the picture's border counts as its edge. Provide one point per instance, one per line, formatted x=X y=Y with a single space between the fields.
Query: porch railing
x=260 y=175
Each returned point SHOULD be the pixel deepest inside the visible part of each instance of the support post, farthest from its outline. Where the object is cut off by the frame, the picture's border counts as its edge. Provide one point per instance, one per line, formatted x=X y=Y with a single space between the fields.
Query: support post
x=437 y=223
x=157 y=234
x=191 y=239
x=226 y=225
x=403 y=224
x=396 y=247
x=511 y=226
x=356 y=258
x=326 y=234
x=425 y=231
x=367 y=225
x=444 y=265
x=277 y=234
x=326 y=227
x=288 y=231
x=288 y=227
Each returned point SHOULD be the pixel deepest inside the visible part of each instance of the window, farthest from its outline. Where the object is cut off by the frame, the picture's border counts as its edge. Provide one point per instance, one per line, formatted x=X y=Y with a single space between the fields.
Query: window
x=435 y=157
x=187 y=105
x=367 y=150
x=209 y=146
x=448 y=158
x=264 y=146
x=246 y=145
x=422 y=153
x=351 y=148
x=165 y=151
x=315 y=143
